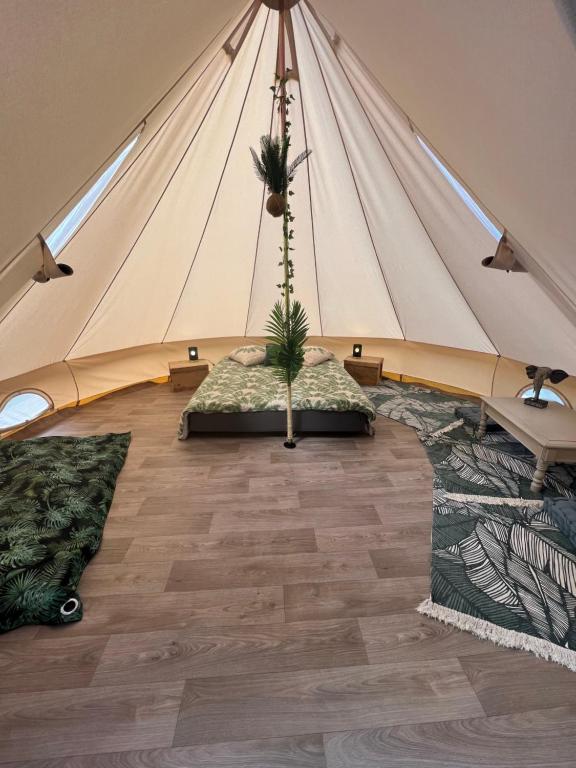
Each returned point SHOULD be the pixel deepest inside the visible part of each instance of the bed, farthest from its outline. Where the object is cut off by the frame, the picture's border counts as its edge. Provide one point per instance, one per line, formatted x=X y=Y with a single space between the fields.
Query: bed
x=238 y=398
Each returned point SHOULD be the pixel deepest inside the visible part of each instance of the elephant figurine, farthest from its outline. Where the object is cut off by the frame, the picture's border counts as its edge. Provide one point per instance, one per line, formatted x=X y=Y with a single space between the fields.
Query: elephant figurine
x=539 y=375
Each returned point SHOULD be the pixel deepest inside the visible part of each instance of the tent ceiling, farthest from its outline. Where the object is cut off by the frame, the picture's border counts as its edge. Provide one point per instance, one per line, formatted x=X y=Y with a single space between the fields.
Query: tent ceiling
x=179 y=246
x=76 y=77
x=492 y=85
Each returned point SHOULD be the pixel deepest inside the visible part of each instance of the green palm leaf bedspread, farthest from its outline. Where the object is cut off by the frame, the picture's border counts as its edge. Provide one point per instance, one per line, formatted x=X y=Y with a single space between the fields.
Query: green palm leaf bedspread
x=55 y=493
x=234 y=388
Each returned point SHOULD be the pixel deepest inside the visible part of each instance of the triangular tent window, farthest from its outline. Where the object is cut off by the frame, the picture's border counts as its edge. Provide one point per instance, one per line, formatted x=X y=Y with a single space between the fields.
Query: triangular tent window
x=464 y=195
x=57 y=239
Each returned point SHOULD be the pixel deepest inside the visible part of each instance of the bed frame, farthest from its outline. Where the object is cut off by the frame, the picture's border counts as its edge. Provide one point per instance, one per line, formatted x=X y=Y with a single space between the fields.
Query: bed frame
x=275 y=422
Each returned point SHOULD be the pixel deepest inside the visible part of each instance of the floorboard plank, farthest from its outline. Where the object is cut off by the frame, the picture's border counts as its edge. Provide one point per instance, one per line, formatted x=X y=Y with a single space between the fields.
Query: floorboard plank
x=203 y=501
x=19 y=635
x=295 y=752
x=269 y=571
x=384 y=494
x=396 y=562
x=218 y=545
x=280 y=519
x=372 y=537
x=120 y=614
x=291 y=703
x=88 y=720
x=535 y=739
x=49 y=664
x=262 y=468
x=112 y=550
x=410 y=512
x=177 y=522
x=516 y=682
x=217 y=651
x=319 y=456
x=123 y=579
x=342 y=482
x=413 y=637
x=349 y=599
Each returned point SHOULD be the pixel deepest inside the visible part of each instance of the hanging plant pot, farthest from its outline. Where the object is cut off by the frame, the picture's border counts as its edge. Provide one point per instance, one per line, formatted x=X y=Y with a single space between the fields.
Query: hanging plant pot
x=276 y=204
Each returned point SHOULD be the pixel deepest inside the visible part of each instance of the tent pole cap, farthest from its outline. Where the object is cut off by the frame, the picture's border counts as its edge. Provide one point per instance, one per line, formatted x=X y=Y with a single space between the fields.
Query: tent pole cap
x=275 y=4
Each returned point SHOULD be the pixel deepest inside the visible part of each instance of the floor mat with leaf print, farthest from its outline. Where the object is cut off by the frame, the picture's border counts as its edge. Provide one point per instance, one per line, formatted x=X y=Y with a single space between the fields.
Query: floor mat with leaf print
x=55 y=493
x=499 y=566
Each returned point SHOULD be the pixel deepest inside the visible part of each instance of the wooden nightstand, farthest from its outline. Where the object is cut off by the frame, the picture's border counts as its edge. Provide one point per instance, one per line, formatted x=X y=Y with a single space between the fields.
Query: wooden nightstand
x=188 y=374
x=366 y=370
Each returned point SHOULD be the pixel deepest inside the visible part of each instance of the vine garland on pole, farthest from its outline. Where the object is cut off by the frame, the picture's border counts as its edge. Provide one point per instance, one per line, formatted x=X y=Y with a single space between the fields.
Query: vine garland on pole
x=288 y=323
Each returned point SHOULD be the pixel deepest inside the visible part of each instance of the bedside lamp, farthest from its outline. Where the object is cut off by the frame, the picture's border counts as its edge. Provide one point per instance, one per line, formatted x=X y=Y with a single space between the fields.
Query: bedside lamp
x=357 y=350
x=192 y=353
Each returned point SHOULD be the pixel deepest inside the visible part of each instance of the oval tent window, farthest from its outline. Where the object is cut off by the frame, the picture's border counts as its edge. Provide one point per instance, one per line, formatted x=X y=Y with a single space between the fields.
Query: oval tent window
x=21 y=408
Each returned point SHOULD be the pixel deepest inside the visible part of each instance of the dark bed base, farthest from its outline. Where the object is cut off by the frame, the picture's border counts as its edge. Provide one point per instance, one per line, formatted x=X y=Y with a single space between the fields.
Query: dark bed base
x=275 y=422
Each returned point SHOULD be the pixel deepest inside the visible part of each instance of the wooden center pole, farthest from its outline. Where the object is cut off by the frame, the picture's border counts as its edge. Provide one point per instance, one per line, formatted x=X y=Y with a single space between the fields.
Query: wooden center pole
x=281 y=73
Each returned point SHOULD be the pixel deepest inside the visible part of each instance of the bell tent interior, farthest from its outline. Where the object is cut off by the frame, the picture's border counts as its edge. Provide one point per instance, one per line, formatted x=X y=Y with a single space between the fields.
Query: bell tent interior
x=238 y=590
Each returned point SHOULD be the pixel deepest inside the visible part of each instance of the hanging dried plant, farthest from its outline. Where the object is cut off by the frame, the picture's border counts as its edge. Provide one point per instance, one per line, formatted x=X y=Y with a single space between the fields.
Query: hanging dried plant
x=272 y=168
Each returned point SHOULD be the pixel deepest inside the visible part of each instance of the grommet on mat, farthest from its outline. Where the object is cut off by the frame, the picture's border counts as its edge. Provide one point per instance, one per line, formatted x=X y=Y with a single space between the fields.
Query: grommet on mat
x=70 y=606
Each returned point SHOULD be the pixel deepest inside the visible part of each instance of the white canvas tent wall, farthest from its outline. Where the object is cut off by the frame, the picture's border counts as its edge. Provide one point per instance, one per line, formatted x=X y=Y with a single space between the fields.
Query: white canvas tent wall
x=386 y=251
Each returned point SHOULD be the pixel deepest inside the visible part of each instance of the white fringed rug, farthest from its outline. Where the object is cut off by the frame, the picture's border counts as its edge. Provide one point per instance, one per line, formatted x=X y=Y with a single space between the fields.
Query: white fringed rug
x=500 y=568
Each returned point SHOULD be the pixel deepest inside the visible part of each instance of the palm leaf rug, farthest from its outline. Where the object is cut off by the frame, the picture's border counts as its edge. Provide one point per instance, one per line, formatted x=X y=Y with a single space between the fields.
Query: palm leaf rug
x=55 y=493
x=500 y=569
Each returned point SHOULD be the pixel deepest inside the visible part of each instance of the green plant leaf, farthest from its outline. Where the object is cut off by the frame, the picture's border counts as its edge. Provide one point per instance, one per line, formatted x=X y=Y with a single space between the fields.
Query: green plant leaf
x=288 y=335
x=272 y=165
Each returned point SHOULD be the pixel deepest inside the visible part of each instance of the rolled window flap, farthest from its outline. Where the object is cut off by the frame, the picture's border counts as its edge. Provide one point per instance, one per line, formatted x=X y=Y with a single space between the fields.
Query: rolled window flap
x=50 y=270
x=505 y=257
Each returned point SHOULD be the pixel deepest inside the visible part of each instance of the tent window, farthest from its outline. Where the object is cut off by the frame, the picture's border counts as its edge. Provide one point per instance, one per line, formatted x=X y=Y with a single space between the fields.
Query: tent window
x=23 y=407
x=58 y=238
x=546 y=393
x=462 y=193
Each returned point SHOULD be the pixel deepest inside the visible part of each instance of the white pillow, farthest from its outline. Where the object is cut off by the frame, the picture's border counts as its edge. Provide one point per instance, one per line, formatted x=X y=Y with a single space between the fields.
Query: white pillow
x=316 y=355
x=254 y=355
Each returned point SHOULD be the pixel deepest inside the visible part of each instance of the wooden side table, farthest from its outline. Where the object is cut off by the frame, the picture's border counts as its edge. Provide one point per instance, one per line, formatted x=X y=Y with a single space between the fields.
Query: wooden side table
x=188 y=374
x=550 y=433
x=365 y=370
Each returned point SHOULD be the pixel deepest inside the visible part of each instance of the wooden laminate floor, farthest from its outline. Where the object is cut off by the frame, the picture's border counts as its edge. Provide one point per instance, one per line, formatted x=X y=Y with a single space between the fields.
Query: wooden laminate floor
x=253 y=607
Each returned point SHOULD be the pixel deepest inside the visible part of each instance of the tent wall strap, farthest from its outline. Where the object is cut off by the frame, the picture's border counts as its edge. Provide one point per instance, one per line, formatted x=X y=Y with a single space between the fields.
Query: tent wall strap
x=250 y=14
x=294 y=73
